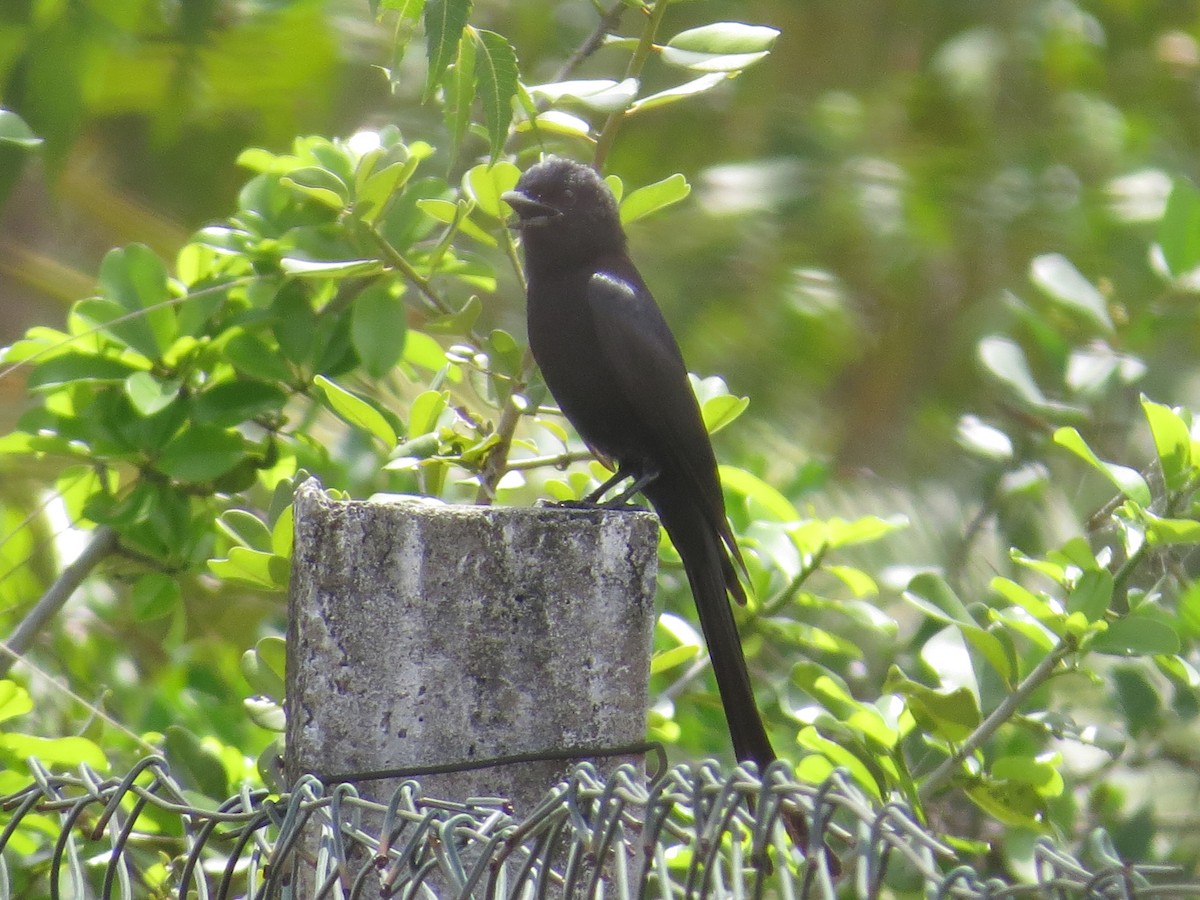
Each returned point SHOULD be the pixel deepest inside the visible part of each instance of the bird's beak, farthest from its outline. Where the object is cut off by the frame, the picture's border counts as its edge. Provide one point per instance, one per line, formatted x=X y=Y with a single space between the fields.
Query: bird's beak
x=528 y=210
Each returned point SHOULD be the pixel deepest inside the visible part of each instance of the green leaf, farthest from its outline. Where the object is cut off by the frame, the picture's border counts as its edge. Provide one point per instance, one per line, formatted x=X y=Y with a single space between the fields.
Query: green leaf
x=1005 y=360
x=230 y=403
x=1092 y=594
x=377 y=190
x=263 y=667
x=445 y=21
x=1012 y=803
x=1161 y=531
x=951 y=715
x=1136 y=635
x=983 y=439
x=1060 y=281
x=1172 y=441
x=155 y=595
x=720 y=47
x=496 y=77
x=254 y=568
x=71 y=368
x=811 y=739
x=1041 y=607
x=13 y=130
x=55 y=752
x=201 y=453
x=149 y=395
x=356 y=411
x=459 y=95
x=322 y=268
x=653 y=197
x=485 y=184
x=426 y=409
x=556 y=121
x=676 y=656
x=1128 y=481
x=931 y=594
x=841 y=533
x=601 y=95
x=720 y=411
x=378 y=325
x=1189 y=611
x=136 y=279
x=320 y=184
x=193 y=765
x=1179 y=229
x=763 y=501
x=682 y=92
x=245 y=528
x=14 y=700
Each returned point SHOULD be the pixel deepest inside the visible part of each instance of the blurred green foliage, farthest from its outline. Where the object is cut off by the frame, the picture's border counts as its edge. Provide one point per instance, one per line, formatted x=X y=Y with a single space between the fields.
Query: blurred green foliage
x=949 y=250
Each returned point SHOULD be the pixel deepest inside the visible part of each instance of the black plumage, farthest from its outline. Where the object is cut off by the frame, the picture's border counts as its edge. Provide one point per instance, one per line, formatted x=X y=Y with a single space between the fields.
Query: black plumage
x=615 y=370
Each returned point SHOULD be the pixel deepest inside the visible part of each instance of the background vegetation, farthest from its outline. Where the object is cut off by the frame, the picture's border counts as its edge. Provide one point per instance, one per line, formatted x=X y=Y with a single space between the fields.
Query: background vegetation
x=948 y=250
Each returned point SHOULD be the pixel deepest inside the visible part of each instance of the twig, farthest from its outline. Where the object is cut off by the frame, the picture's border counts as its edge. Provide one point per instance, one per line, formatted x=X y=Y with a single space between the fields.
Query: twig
x=609 y=133
x=607 y=22
x=102 y=544
x=1001 y=714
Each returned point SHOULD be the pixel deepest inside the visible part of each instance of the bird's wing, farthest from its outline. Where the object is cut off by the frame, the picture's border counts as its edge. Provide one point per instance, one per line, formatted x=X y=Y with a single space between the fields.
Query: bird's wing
x=636 y=341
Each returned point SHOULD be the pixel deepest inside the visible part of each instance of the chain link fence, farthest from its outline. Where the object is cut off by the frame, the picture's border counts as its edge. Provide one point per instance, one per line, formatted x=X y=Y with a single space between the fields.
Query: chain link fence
x=693 y=832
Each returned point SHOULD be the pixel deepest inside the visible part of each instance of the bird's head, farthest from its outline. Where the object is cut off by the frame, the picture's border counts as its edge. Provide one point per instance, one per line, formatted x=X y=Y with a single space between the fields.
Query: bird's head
x=566 y=208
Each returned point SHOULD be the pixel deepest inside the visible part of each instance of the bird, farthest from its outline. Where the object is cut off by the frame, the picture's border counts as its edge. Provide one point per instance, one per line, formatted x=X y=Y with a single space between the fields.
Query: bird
x=614 y=368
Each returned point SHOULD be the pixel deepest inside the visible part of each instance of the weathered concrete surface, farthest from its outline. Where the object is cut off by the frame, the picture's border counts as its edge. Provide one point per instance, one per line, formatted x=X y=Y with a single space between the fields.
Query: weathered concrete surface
x=422 y=634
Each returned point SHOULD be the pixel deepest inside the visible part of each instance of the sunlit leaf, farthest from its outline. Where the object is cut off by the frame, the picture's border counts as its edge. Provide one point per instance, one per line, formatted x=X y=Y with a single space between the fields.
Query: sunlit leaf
x=356 y=411
x=653 y=197
x=720 y=46
x=1061 y=282
x=1128 y=481
x=682 y=92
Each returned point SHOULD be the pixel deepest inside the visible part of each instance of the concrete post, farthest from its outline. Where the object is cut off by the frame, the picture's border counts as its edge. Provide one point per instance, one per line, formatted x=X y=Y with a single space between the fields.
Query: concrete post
x=422 y=634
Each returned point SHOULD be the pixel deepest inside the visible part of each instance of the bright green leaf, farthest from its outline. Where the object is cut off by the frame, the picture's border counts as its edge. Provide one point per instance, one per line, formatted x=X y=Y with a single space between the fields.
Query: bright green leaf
x=601 y=95
x=356 y=411
x=485 y=184
x=1092 y=594
x=676 y=656
x=720 y=47
x=322 y=268
x=1135 y=635
x=764 y=501
x=245 y=528
x=13 y=130
x=201 y=453
x=378 y=325
x=682 y=92
x=1061 y=282
x=14 y=700
x=653 y=197
x=1128 y=481
x=1179 y=229
x=1005 y=360
x=66 y=752
x=252 y=567
x=149 y=395
x=1172 y=441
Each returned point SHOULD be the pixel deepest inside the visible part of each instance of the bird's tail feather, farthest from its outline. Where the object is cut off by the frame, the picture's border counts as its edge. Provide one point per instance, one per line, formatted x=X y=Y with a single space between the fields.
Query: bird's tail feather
x=707 y=567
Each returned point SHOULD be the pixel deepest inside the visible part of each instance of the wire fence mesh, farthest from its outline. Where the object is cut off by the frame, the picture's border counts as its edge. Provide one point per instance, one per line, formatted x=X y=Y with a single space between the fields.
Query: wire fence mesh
x=694 y=831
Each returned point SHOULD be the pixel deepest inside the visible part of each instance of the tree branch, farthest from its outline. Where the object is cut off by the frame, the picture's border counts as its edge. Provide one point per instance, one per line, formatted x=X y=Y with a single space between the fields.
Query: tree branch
x=1001 y=714
x=103 y=543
